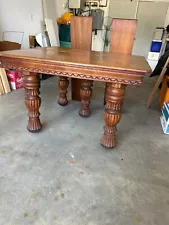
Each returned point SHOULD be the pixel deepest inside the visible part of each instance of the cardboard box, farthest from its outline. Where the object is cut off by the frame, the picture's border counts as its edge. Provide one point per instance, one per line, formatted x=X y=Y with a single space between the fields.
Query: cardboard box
x=1 y=88
x=16 y=82
x=15 y=79
x=165 y=118
x=4 y=80
x=7 y=45
x=153 y=56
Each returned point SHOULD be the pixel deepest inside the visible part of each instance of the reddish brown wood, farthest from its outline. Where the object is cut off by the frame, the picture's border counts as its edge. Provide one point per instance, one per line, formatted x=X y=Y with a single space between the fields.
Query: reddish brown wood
x=81 y=32
x=114 y=98
x=122 y=37
x=63 y=85
x=81 y=38
x=99 y=66
x=86 y=94
x=75 y=86
x=32 y=101
x=117 y=69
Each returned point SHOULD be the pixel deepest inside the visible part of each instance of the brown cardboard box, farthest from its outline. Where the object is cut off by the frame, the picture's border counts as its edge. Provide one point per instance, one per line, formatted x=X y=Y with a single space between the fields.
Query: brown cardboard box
x=4 y=80
x=4 y=84
x=7 y=45
x=1 y=88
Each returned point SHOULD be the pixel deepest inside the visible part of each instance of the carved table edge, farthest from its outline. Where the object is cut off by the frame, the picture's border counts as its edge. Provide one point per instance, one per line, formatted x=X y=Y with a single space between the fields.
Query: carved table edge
x=75 y=75
x=70 y=65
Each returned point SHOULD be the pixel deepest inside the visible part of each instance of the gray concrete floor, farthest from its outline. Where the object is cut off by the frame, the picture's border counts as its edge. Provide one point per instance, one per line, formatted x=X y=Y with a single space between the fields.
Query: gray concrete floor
x=42 y=184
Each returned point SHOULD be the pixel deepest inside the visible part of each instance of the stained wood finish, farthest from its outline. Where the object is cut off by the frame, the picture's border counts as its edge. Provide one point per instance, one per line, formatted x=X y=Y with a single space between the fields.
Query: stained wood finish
x=75 y=89
x=81 y=33
x=63 y=85
x=123 y=36
x=98 y=66
x=32 y=101
x=81 y=38
x=114 y=98
x=116 y=69
x=85 y=94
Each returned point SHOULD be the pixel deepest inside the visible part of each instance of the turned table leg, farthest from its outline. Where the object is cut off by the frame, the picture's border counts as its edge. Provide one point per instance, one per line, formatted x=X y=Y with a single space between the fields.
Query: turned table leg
x=85 y=94
x=114 y=98
x=63 y=85
x=32 y=100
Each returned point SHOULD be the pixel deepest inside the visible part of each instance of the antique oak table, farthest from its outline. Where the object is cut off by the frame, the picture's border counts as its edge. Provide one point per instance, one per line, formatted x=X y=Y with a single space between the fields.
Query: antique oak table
x=117 y=70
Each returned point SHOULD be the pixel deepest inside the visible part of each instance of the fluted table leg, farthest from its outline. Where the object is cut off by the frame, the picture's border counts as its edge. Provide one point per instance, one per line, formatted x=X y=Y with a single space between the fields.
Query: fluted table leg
x=85 y=94
x=32 y=101
x=63 y=85
x=114 y=98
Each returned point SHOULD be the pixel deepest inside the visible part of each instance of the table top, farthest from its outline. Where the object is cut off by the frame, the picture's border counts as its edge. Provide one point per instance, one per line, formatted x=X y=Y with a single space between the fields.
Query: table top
x=56 y=55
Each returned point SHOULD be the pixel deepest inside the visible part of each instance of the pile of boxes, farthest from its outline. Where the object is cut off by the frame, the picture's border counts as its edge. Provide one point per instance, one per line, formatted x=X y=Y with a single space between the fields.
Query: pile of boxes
x=9 y=79
x=15 y=79
x=4 y=84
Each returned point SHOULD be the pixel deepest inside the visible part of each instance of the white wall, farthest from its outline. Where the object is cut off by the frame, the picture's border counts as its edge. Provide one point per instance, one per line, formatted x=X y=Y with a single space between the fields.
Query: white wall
x=60 y=7
x=21 y=15
x=26 y=16
x=167 y=19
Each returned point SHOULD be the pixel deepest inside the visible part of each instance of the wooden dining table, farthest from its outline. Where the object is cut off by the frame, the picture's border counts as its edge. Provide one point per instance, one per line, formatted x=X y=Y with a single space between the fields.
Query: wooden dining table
x=117 y=70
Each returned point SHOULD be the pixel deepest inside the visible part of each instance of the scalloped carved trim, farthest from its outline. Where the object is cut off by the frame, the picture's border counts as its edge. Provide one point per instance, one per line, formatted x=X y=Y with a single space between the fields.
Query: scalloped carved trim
x=75 y=75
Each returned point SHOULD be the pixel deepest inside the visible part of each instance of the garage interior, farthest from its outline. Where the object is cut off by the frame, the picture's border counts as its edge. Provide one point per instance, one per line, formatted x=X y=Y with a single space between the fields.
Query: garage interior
x=62 y=175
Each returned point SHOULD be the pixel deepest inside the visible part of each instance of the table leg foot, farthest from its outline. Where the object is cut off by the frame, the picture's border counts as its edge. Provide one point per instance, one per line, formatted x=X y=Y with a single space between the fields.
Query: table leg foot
x=114 y=98
x=85 y=94
x=32 y=101
x=63 y=85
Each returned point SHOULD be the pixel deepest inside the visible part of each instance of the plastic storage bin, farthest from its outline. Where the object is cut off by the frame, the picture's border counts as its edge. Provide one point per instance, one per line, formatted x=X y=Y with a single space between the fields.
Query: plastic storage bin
x=65 y=44
x=156 y=46
x=64 y=32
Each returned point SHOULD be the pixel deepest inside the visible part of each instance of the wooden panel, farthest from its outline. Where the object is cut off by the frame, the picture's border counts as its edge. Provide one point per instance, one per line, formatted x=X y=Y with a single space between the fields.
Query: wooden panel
x=76 y=85
x=81 y=38
x=81 y=32
x=123 y=36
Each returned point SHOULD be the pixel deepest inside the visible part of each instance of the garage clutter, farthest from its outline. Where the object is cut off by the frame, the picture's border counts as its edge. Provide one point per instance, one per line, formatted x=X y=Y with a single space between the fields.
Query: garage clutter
x=9 y=79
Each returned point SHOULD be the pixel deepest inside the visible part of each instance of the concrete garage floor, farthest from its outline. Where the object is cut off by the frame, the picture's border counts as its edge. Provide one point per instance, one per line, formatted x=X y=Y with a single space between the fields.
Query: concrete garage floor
x=63 y=176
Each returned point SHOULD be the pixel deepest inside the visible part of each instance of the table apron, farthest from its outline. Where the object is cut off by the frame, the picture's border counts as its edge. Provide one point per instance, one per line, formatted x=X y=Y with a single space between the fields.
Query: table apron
x=133 y=78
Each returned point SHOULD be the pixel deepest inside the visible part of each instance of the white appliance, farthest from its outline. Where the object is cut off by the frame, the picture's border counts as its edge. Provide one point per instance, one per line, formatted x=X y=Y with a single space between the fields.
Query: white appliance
x=76 y=4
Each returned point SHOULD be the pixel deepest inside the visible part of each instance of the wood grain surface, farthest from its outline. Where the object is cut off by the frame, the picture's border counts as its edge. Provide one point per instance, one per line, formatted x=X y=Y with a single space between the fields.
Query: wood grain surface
x=123 y=36
x=55 y=56
x=81 y=38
